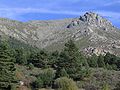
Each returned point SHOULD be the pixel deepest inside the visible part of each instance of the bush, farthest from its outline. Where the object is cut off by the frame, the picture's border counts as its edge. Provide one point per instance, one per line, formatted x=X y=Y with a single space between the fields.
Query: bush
x=31 y=66
x=45 y=78
x=21 y=56
x=39 y=59
x=61 y=73
x=101 y=62
x=38 y=83
x=65 y=83
x=106 y=87
x=92 y=61
x=117 y=86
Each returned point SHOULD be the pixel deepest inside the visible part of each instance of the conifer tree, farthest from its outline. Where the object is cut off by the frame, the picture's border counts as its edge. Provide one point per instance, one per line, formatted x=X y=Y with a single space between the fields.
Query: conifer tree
x=101 y=62
x=92 y=61
x=7 y=68
x=21 y=57
x=71 y=60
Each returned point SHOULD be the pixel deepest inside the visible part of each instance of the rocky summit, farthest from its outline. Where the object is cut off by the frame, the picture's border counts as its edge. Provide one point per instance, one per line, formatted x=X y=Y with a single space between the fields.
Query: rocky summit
x=91 y=32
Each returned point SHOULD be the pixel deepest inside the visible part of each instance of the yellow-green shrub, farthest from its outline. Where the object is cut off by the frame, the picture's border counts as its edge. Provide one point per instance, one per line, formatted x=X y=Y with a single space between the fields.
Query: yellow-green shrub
x=65 y=83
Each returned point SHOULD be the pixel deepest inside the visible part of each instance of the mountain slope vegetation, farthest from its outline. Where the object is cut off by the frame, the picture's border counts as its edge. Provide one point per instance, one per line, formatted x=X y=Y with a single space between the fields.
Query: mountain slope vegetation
x=91 y=32
x=70 y=54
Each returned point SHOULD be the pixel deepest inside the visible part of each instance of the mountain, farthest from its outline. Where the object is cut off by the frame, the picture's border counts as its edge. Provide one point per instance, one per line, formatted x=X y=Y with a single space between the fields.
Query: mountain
x=91 y=32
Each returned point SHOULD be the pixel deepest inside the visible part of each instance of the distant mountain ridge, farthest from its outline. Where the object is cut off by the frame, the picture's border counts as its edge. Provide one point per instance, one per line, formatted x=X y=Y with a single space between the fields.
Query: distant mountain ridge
x=91 y=32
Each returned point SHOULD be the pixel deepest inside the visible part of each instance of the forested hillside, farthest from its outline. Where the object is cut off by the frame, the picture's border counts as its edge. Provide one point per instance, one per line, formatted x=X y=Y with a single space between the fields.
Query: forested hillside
x=67 y=69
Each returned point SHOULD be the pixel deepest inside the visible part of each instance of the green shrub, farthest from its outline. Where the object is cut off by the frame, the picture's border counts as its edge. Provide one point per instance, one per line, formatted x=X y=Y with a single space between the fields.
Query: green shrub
x=117 y=86
x=106 y=87
x=92 y=61
x=21 y=56
x=7 y=68
x=45 y=78
x=31 y=66
x=101 y=62
x=38 y=83
x=65 y=83
x=61 y=73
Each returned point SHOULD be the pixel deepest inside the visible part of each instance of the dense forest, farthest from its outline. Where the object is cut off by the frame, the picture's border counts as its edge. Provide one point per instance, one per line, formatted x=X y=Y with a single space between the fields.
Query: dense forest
x=59 y=70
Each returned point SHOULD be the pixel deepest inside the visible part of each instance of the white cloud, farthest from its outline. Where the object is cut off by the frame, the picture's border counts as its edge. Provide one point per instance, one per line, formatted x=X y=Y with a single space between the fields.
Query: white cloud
x=110 y=14
x=11 y=12
x=15 y=13
x=112 y=3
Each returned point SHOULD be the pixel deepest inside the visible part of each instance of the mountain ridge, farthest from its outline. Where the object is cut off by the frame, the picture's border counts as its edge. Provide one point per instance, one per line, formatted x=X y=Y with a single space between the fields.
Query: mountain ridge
x=91 y=32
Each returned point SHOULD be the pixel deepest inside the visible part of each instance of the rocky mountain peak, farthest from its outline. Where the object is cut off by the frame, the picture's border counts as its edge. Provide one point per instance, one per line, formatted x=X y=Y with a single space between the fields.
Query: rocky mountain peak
x=89 y=16
x=95 y=19
x=92 y=20
x=90 y=31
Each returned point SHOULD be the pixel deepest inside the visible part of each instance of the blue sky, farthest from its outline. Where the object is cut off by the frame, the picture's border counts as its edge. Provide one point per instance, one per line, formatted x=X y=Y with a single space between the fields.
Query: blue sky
x=24 y=10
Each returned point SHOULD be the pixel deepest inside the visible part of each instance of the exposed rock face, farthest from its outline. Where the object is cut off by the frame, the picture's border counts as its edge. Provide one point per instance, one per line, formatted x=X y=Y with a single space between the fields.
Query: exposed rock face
x=89 y=30
x=94 y=19
x=96 y=50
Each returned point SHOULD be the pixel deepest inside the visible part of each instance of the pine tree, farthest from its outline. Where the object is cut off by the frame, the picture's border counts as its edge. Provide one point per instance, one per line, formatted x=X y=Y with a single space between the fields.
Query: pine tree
x=63 y=73
x=40 y=59
x=71 y=60
x=92 y=61
x=53 y=57
x=7 y=68
x=101 y=62
x=21 y=57
x=107 y=58
x=45 y=78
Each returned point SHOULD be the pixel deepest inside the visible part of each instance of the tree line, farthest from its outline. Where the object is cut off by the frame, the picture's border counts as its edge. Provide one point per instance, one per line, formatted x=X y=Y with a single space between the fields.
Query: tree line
x=69 y=64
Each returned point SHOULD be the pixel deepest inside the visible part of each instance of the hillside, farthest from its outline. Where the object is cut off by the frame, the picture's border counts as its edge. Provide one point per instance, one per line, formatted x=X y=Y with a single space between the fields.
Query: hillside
x=92 y=33
x=23 y=67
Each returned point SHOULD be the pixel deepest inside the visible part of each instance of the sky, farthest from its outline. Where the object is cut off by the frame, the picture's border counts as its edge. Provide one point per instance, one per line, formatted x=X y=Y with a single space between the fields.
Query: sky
x=25 y=10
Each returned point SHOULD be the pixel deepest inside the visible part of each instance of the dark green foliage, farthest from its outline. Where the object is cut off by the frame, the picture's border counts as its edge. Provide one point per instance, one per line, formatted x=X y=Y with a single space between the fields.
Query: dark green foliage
x=17 y=44
x=109 y=61
x=113 y=61
x=101 y=62
x=33 y=58
x=38 y=83
x=62 y=73
x=21 y=56
x=69 y=63
x=39 y=59
x=71 y=60
x=45 y=78
x=93 y=61
x=109 y=67
x=107 y=58
x=118 y=63
x=114 y=67
x=7 y=68
x=117 y=86
x=31 y=66
x=84 y=72
x=53 y=58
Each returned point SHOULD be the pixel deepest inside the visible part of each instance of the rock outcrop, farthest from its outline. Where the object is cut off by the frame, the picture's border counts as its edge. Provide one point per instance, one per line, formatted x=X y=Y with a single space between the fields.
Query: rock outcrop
x=89 y=30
